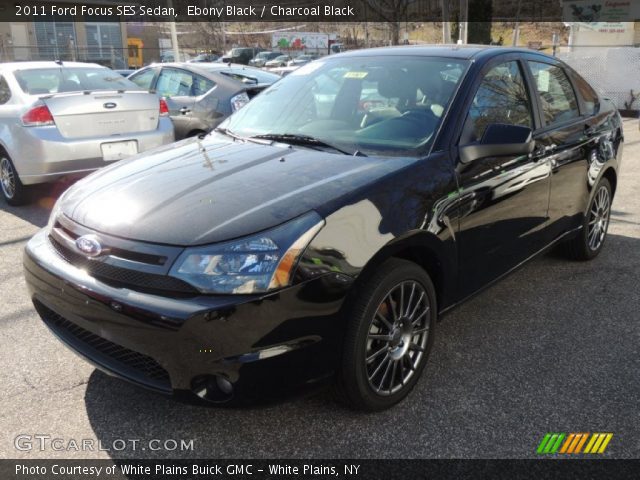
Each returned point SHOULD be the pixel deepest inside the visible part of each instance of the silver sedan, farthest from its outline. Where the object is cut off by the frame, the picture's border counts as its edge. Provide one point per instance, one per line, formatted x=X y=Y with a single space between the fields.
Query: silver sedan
x=68 y=119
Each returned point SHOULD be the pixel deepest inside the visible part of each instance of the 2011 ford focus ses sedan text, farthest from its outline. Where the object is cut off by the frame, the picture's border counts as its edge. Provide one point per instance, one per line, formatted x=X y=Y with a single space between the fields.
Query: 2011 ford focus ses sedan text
x=320 y=231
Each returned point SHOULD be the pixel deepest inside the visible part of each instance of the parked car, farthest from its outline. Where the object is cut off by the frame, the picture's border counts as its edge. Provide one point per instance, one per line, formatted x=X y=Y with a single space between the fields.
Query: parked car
x=283 y=71
x=201 y=95
x=205 y=57
x=302 y=60
x=67 y=119
x=169 y=57
x=291 y=247
x=241 y=55
x=279 y=61
x=263 y=57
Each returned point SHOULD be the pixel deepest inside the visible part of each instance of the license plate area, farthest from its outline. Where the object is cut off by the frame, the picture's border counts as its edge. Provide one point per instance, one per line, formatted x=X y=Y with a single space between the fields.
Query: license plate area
x=112 y=151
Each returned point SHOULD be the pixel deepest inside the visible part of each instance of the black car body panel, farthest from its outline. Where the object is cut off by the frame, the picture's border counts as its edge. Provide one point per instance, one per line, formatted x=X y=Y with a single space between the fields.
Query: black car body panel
x=195 y=183
x=466 y=224
x=299 y=324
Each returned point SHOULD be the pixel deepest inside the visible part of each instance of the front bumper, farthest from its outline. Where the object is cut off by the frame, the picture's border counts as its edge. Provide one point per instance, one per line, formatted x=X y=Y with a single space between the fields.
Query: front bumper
x=262 y=345
x=42 y=154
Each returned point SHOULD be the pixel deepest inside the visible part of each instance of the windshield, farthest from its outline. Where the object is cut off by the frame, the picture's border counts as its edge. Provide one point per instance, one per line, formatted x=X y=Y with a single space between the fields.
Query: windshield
x=388 y=105
x=39 y=81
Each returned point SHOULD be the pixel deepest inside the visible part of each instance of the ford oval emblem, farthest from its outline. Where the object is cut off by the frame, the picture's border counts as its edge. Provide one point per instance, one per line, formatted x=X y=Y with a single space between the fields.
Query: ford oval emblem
x=89 y=245
x=110 y=105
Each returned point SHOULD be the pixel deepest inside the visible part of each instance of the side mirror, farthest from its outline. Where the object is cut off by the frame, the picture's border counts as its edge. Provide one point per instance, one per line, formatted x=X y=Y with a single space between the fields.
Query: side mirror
x=499 y=140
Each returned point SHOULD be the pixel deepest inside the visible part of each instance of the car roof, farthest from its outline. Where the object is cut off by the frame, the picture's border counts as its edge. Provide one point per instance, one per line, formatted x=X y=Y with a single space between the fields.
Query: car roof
x=215 y=66
x=210 y=66
x=441 y=50
x=212 y=70
x=12 y=66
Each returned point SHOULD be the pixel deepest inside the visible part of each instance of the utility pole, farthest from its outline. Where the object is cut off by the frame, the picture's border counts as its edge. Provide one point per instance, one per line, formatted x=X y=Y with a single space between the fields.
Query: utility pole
x=174 y=36
x=446 y=24
x=464 y=21
x=223 y=36
x=516 y=30
x=366 y=25
x=555 y=40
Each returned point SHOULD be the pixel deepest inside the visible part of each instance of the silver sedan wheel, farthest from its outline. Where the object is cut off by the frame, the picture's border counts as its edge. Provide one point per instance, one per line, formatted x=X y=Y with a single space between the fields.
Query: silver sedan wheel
x=7 y=178
x=397 y=338
x=599 y=218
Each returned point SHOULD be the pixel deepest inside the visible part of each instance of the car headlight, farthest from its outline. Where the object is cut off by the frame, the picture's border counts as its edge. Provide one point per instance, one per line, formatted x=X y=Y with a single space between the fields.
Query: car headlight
x=259 y=263
x=239 y=101
x=55 y=212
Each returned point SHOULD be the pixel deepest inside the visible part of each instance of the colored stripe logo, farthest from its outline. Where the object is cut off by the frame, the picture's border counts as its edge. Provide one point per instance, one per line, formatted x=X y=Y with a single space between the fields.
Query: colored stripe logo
x=574 y=443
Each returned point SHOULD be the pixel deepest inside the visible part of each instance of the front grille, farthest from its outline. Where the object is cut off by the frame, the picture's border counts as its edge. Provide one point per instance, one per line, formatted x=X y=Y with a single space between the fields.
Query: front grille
x=133 y=365
x=123 y=277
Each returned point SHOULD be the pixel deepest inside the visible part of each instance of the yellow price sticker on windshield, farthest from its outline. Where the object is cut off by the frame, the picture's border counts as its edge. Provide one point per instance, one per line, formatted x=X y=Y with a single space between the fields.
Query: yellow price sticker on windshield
x=356 y=75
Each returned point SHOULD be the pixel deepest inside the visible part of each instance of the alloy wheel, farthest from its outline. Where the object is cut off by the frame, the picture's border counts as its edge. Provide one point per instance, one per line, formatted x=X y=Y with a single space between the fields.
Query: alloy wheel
x=397 y=337
x=7 y=178
x=599 y=218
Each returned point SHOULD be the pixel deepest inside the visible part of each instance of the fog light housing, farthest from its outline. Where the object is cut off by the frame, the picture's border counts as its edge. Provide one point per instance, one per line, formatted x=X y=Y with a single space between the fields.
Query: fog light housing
x=212 y=388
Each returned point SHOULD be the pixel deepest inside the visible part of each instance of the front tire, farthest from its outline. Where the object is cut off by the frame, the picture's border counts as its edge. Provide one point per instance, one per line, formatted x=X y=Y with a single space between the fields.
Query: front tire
x=13 y=191
x=389 y=336
x=588 y=243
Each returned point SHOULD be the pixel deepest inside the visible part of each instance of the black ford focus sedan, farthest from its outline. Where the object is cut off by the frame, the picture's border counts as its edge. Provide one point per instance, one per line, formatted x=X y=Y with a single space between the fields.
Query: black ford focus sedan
x=318 y=234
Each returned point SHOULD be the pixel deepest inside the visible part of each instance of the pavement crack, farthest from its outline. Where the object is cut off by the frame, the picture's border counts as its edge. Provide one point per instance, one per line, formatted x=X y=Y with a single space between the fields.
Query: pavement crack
x=28 y=382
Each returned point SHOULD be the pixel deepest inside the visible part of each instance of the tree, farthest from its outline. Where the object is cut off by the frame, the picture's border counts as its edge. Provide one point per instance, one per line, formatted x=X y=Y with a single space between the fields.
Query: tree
x=391 y=11
x=480 y=13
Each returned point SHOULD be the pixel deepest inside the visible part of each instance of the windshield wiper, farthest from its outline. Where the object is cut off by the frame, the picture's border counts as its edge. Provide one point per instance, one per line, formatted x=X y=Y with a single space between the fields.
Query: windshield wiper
x=235 y=136
x=229 y=133
x=297 y=139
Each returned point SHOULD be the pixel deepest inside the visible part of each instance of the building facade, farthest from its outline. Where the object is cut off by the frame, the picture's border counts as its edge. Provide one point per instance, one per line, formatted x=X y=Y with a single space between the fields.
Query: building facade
x=99 y=40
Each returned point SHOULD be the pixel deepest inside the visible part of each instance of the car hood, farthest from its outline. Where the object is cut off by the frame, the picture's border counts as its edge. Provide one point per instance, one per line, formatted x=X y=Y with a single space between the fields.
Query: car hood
x=197 y=192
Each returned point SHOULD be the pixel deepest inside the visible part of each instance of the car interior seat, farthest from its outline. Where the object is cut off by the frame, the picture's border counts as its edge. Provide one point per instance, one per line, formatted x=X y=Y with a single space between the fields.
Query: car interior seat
x=395 y=86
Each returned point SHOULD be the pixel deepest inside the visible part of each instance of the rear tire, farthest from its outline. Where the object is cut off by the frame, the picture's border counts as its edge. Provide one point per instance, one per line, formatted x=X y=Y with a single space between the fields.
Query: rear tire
x=389 y=336
x=588 y=243
x=13 y=191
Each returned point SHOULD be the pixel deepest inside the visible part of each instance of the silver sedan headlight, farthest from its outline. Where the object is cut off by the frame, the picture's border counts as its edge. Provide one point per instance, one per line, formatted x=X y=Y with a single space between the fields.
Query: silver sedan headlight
x=259 y=263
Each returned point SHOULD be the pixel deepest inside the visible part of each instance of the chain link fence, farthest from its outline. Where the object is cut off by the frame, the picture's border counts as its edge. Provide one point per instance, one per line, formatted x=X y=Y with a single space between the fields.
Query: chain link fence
x=614 y=71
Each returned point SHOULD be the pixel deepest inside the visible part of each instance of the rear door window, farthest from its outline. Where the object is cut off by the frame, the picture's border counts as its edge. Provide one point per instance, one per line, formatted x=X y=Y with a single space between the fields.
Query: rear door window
x=557 y=98
x=174 y=83
x=201 y=85
x=588 y=94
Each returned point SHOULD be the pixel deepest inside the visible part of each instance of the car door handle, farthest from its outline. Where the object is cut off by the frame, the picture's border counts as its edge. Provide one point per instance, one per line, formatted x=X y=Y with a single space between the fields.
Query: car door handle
x=185 y=110
x=542 y=151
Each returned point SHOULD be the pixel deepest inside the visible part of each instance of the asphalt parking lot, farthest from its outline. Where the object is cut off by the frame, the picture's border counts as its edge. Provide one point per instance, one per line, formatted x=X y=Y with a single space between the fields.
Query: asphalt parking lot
x=555 y=347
